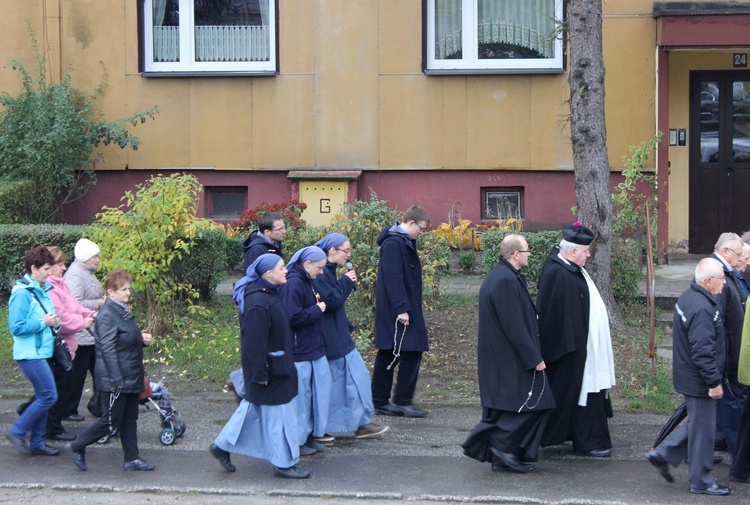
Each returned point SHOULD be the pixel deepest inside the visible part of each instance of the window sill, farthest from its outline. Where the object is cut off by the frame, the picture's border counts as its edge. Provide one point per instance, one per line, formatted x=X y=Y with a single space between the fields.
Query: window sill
x=492 y=71
x=264 y=73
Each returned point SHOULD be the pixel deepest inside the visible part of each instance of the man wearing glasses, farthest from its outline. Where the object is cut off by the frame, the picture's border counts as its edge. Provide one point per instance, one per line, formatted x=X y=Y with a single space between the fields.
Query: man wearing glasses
x=728 y=251
x=266 y=239
x=400 y=330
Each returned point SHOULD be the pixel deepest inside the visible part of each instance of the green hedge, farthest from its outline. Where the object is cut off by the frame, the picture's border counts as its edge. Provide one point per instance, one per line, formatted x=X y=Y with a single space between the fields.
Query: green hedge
x=626 y=266
x=540 y=243
x=204 y=268
x=206 y=265
x=16 y=240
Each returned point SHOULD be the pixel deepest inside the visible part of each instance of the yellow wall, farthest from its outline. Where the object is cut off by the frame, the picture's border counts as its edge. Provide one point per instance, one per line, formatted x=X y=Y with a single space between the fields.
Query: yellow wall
x=350 y=94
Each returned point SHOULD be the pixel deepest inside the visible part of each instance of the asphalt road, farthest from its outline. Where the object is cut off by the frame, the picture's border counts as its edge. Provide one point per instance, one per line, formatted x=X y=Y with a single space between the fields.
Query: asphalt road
x=418 y=460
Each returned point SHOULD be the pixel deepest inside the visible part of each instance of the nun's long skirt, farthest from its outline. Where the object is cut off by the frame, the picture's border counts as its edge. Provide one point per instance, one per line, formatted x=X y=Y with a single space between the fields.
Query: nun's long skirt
x=351 y=394
x=313 y=398
x=262 y=431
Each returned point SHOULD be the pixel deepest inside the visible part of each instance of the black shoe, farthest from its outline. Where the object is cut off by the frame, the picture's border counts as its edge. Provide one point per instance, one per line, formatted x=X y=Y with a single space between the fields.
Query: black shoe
x=74 y=418
x=313 y=444
x=223 y=457
x=746 y=480
x=509 y=461
x=306 y=450
x=718 y=458
x=411 y=411
x=715 y=490
x=389 y=409
x=596 y=453
x=78 y=457
x=62 y=437
x=661 y=464
x=291 y=473
x=19 y=443
x=138 y=465
x=44 y=450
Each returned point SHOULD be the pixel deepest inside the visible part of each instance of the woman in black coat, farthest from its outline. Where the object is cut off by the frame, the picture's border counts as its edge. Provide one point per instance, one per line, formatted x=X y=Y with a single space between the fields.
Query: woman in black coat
x=119 y=374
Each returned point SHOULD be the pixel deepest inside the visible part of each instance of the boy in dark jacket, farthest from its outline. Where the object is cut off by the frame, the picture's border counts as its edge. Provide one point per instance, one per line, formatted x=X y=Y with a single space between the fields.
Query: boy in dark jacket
x=400 y=331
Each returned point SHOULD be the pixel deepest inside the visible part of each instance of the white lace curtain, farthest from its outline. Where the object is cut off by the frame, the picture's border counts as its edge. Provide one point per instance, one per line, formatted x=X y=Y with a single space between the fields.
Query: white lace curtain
x=220 y=43
x=527 y=23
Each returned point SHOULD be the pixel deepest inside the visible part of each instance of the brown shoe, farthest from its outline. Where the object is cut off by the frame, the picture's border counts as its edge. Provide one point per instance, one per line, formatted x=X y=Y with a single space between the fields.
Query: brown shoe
x=370 y=430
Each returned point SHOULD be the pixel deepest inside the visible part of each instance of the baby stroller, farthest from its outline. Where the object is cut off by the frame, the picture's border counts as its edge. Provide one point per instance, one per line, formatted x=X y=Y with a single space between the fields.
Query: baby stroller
x=160 y=401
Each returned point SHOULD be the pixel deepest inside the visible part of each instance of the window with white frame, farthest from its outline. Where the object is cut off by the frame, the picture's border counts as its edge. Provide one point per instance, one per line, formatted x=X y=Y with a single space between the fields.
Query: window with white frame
x=493 y=36
x=209 y=36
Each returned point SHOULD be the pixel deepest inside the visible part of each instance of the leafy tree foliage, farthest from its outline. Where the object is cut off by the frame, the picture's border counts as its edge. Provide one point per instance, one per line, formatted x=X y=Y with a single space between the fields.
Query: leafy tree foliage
x=148 y=235
x=49 y=133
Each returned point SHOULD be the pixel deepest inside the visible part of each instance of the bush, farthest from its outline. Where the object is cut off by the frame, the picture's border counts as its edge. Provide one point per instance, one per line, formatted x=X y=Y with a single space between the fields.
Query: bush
x=540 y=244
x=48 y=137
x=155 y=228
x=204 y=266
x=17 y=240
x=466 y=261
x=233 y=252
x=362 y=222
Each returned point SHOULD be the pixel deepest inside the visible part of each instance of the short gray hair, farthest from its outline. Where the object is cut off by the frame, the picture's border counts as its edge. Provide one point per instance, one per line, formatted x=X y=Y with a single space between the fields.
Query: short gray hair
x=707 y=267
x=725 y=239
x=509 y=245
x=567 y=247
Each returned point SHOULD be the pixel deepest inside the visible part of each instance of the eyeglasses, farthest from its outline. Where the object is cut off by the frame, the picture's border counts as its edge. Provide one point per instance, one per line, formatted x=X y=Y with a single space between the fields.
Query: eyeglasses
x=735 y=252
x=524 y=250
x=281 y=228
x=721 y=279
x=345 y=251
x=421 y=228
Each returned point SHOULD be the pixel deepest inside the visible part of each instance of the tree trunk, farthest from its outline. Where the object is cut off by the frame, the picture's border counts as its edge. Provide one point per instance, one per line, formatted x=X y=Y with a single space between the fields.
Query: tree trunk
x=589 y=140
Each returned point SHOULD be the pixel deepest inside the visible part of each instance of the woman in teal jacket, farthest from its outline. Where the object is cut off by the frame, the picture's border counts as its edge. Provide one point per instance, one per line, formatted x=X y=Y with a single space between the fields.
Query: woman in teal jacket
x=31 y=317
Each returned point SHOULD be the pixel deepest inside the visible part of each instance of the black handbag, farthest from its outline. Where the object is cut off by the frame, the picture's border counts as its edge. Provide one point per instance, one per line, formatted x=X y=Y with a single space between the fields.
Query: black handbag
x=60 y=352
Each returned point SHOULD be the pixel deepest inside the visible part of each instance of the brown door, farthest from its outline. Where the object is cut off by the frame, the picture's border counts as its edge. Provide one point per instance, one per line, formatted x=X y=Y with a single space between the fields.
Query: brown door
x=719 y=143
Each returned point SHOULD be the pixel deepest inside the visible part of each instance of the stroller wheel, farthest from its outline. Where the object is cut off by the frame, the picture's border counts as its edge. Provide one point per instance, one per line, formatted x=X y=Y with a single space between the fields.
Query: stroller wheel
x=179 y=429
x=167 y=436
x=106 y=438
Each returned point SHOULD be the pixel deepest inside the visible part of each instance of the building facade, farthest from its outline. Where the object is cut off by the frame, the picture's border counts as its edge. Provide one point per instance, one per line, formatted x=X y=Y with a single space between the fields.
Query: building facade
x=458 y=105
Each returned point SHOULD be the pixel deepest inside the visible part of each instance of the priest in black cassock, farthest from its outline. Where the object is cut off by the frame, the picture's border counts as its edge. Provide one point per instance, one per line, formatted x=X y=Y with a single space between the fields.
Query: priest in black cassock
x=512 y=382
x=576 y=345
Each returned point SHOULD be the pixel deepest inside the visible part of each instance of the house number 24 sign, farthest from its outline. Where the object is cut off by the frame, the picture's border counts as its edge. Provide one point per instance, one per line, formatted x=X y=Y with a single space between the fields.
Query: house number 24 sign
x=739 y=60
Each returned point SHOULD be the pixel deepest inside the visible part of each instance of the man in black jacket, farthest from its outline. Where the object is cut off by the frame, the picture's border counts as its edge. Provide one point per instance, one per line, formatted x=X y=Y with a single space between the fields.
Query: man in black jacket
x=728 y=251
x=512 y=381
x=699 y=356
x=266 y=239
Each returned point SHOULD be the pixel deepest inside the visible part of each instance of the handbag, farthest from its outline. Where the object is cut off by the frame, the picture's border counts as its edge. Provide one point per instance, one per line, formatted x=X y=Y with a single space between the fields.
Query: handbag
x=60 y=352
x=147 y=391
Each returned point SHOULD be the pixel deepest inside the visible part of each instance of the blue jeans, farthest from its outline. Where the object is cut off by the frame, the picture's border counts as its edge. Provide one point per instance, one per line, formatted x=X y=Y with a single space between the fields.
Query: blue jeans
x=34 y=418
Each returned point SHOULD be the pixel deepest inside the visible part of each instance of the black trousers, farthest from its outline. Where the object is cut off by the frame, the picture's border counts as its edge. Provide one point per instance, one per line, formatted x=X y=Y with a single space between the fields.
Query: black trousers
x=382 y=378
x=741 y=457
x=57 y=411
x=82 y=364
x=124 y=415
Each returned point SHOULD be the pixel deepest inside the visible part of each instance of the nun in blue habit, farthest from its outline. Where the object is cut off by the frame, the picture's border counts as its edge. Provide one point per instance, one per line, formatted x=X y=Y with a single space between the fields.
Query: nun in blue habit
x=264 y=425
x=351 y=407
x=305 y=311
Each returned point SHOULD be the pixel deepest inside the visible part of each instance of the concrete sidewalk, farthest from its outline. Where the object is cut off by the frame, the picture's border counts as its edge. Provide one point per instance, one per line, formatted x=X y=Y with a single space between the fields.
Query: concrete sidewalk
x=416 y=460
